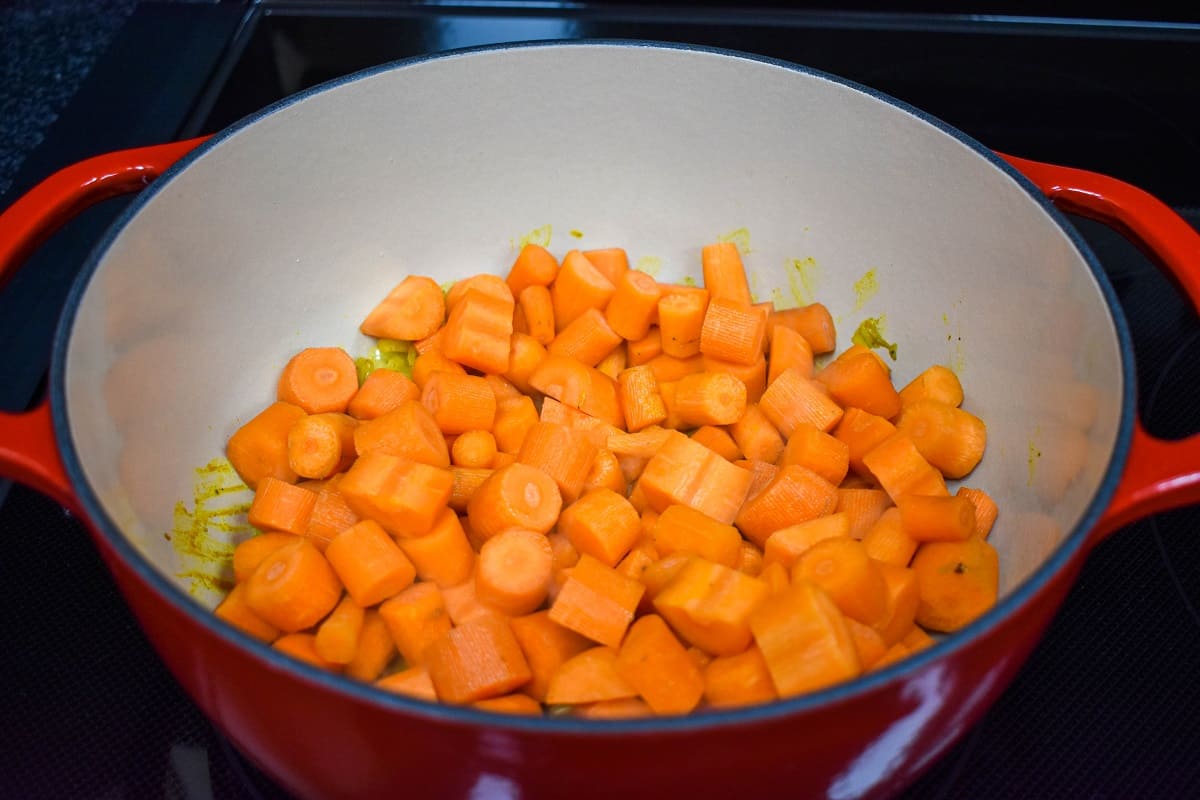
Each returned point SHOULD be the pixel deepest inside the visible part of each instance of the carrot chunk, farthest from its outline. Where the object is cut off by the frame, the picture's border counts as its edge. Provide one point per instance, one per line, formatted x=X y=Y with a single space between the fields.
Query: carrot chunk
x=259 y=448
x=369 y=563
x=475 y=661
x=319 y=379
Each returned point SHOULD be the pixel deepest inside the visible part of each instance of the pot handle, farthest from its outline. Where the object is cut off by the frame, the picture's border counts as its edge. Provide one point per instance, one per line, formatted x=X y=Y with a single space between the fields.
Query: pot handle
x=28 y=451
x=1159 y=474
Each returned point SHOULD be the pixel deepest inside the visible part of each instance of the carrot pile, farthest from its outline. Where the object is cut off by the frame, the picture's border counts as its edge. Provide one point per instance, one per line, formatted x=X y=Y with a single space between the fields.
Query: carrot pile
x=577 y=489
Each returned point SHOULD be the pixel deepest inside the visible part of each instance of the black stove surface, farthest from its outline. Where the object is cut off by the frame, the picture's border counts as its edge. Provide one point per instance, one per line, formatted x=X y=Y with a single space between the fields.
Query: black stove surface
x=1107 y=706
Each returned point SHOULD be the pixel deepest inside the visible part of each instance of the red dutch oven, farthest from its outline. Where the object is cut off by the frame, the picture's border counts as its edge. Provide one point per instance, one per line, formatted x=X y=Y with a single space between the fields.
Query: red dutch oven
x=281 y=231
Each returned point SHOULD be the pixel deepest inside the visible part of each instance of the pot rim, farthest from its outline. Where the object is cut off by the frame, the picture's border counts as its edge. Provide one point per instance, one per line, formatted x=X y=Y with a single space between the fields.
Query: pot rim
x=352 y=690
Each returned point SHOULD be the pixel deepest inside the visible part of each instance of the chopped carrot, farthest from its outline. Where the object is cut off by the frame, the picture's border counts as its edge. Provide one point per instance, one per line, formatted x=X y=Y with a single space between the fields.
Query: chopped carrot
x=412 y=682
x=668 y=369
x=862 y=432
x=709 y=398
x=512 y=574
x=813 y=322
x=587 y=338
x=621 y=708
x=478 y=332
x=667 y=390
x=330 y=515
x=375 y=648
x=776 y=577
x=647 y=348
x=514 y=418
x=738 y=680
x=463 y=603
x=788 y=349
x=901 y=469
x=718 y=440
x=795 y=495
x=710 y=605
x=459 y=403
x=432 y=362
x=249 y=553
x=383 y=390
x=634 y=305
x=753 y=376
x=861 y=381
x=951 y=439
x=824 y=454
x=786 y=545
x=841 y=566
x=403 y=496
x=564 y=454
x=804 y=640
x=337 y=635
x=937 y=519
x=414 y=309
x=867 y=642
x=473 y=448
x=416 y=617
x=681 y=319
x=935 y=383
x=606 y=473
x=319 y=379
x=612 y=261
x=467 y=481
x=521 y=704
x=578 y=287
x=518 y=496
x=546 y=645
x=259 y=449
x=794 y=399
x=575 y=384
x=431 y=342
x=485 y=283
x=986 y=509
x=303 y=646
x=588 y=677
x=409 y=431
x=321 y=444
x=864 y=507
x=688 y=473
x=596 y=601
x=369 y=563
x=750 y=559
x=534 y=266
x=280 y=506
x=681 y=529
x=596 y=431
x=635 y=563
x=724 y=273
x=234 y=610
x=535 y=303
x=903 y=597
x=917 y=639
x=958 y=581
x=442 y=556
x=293 y=588
x=657 y=575
x=615 y=362
x=888 y=542
x=733 y=331
x=641 y=401
x=652 y=660
x=477 y=660
x=761 y=475
x=602 y=524
x=756 y=436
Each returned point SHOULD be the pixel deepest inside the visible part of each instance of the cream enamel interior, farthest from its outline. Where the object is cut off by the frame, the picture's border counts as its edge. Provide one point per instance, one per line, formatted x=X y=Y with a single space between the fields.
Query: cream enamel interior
x=285 y=233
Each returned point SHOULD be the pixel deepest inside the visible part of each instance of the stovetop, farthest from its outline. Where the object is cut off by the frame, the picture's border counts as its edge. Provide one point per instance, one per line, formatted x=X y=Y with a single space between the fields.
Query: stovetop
x=1107 y=706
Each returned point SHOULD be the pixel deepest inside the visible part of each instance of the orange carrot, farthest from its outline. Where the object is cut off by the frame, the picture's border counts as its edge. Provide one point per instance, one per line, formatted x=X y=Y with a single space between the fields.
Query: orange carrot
x=887 y=541
x=786 y=545
x=596 y=602
x=442 y=556
x=303 y=646
x=612 y=261
x=409 y=431
x=467 y=481
x=867 y=642
x=383 y=390
x=754 y=376
x=813 y=322
x=636 y=562
x=431 y=342
x=463 y=603
x=319 y=379
x=937 y=519
x=681 y=318
x=330 y=515
x=337 y=635
x=903 y=597
x=681 y=529
x=535 y=303
x=293 y=588
x=724 y=273
x=641 y=402
x=474 y=448
x=485 y=283
x=719 y=441
x=234 y=610
x=804 y=640
x=901 y=469
x=518 y=496
x=688 y=473
x=793 y=399
x=594 y=431
x=667 y=391
x=432 y=362
x=864 y=507
x=321 y=444
x=958 y=581
x=412 y=682
x=478 y=332
x=370 y=565
x=710 y=605
x=761 y=475
x=936 y=383
x=895 y=653
x=602 y=524
x=667 y=369
x=613 y=363
x=634 y=305
x=862 y=431
x=658 y=574
x=795 y=495
x=375 y=648
x=757 y=436
x=565 y=455
x=577 y=385
x=621 y=708
x=917 y=639
x=606 y=474
x=416 y=617
x=414 y=309
x=588 y=677
x=578 y=287
x=842 y=568
x=513 y=572
x=986 y=510
x=951 y=439
x=776 y=577
x=654 y=663
x=280 y=506
x=546 y=645
x=534 y=266
x=514 y=418
x=647 y=348
x=738 y=680
x=750 y=559
x=518 y=703
x=259 y=448
x=403 y=496
x=733 y=331
x=824 y=454
x=788 y=349
x=861 y=381
x=249 y=553
x=587 y=338
x=475 y=661
x=708 y=398
x=459 y=403
x=503 y=388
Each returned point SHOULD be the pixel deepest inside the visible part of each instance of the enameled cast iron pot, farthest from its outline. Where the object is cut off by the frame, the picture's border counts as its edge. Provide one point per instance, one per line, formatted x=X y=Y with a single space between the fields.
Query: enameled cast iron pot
x=282 y=231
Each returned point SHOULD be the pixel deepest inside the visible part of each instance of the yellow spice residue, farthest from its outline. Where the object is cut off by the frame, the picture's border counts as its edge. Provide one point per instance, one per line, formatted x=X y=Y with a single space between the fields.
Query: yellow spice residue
x=803 y=276
x=688 y=280
x=578 y=234
x=865 y=288
x=870 y=334
x=204 y=537
x=539 y=236
x=649 y=265
x=740 y=237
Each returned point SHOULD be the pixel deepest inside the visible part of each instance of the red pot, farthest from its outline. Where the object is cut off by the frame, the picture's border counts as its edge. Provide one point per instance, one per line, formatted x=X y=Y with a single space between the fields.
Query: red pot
x=442 y=161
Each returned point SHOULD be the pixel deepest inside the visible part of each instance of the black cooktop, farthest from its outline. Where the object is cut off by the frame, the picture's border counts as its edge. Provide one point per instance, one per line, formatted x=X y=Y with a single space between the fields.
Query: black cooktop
x=1109 y=703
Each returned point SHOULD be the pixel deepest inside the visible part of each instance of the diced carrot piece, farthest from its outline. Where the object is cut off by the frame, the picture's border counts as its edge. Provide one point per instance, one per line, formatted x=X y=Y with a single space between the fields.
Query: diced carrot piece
x=513 y=572
x=793 y=399
x=485 y=283
x=658 y=574
x=813 y=322
x=937 y=519
x=862 y=432
x=280 y=506
x=958 y=582
x=578 y=287
x=459 y=403
x=412 y=682
x=321 y=444
x=684 y=529
x=514 y=418
x=464 y=605
x=841 y=567
x=477 y=660
x=761 y=475
x=710 y=605
x=369 y=563
x=804 y=640
x=795 y=495
x=596 y=431
x=577 y=385
x=597 y=602
x=431 y=342
x=750 y=559
x=337 y=635
x=901 y=469
x=467 y=481
x=864 y=507
x=330 y=515
x=534 y=266
x=738 y=680
x=478 y=332
x=668 y=369
x=602 y=524
x=776 y=577
x=815 y=449
x=375 y=648
x=303 y=646
x=733 y=331
x=521 y=704
x=382 y=391
x=612 y=261
x=867 y=642
x=634 y=305
x=887 y=541
x=587 y=338
x=917 y=639
x=588 y=677
x=259 y=448
x=724 y=273
x=860 y=381
x=903 y=597
x=516 y=497
x=606 y=474
x=935 y=383
x=895 y=653
x=412 y=310
x=634 y=564
x=416 y=617
x=641 y=402
x=249 y=553
x=757 y=436
x=621 y=708
x=432 y=362
x=654 y=662
x=709 y=398
x=319 y=379
x=788 y=349
x=986 y=510
x=546 y=645
x=535 y=303
x=688 y=473
x=234 y=610
x=293 y=588
x=562 y=453
x=719 y=441
x=613 y=363
x=647 y=348
x=951 y=439
x=753 y=376
x=409 y=431
x=442 y=556
x=643 y=444
x=474 y=448
x=681 y=319
x=786 y=545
